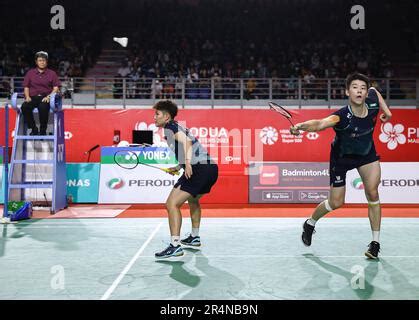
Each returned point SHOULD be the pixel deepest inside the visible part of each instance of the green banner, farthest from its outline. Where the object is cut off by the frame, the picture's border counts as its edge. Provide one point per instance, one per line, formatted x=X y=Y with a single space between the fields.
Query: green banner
x=149 y=155
x=83 y=182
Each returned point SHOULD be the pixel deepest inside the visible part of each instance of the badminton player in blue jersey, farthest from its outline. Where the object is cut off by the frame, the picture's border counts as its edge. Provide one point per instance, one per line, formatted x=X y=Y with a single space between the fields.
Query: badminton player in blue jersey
x=200 y=174
x=353 y=147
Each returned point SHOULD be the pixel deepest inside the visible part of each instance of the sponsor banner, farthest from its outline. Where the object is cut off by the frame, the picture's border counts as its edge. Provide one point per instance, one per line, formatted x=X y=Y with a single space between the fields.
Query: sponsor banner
x=261 y=135
x=129 y=155
x=140 y=185
x=143 y=184
x=399 y=184
x=286 y=182
x=83 y=182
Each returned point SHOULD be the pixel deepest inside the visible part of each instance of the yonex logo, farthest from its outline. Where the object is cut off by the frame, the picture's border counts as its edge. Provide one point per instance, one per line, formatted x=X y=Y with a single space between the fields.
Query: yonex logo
x=268 y=135
x=115 y=183
x=392 y=136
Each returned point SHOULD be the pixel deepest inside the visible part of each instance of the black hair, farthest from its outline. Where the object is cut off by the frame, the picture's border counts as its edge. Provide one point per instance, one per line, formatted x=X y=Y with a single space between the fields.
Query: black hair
x=357 y=76
x=168 y=106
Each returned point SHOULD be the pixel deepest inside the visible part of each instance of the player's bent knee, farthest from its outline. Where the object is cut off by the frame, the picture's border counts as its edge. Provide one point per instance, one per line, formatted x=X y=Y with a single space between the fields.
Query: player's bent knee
x=194 y=204
x=372 y=195
x=170 y=204
x=335 y=204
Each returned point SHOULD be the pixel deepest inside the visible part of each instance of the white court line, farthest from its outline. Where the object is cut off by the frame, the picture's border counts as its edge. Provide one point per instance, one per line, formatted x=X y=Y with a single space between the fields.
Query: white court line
x=286 y=257
x=129 y=265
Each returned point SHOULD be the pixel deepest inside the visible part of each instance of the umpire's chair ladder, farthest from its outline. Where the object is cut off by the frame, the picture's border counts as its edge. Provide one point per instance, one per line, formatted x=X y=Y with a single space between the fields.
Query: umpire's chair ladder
x=37 y=166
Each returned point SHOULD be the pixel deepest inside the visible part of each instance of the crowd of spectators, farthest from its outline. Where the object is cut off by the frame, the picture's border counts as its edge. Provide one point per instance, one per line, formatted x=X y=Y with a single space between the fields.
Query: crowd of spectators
x=244 y=39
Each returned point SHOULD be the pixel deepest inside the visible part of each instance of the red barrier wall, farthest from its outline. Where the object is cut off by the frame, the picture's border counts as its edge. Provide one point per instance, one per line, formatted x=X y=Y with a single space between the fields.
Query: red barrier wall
x=256 y=134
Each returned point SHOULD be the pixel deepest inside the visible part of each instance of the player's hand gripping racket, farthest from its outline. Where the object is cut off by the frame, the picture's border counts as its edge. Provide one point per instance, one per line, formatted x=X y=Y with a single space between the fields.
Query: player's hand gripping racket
x=130 y=160
x=284 y=112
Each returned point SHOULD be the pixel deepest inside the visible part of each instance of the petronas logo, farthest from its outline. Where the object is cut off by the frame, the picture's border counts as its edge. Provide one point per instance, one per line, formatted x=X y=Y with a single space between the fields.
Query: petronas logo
x=358 y=184
x=115 y=183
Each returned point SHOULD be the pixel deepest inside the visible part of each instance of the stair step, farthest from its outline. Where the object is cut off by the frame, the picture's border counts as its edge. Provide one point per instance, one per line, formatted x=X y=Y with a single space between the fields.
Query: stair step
x=33 y=161
x=34 y=137
x=30 y=185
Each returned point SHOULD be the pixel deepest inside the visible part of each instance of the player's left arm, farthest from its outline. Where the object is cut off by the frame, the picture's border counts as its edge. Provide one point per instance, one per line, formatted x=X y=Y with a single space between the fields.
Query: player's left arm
x=181 y=137
x=386 y=115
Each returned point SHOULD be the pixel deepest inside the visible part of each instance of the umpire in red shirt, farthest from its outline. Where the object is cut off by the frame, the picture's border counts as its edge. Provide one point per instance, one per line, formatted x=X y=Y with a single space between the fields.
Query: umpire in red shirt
x=39 y=84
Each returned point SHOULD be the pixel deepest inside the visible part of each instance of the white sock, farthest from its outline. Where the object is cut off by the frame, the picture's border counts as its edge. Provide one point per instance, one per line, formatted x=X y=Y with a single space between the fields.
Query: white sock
x=175 y=240
x=376 y=236
x=195 y=232
x=311 y=222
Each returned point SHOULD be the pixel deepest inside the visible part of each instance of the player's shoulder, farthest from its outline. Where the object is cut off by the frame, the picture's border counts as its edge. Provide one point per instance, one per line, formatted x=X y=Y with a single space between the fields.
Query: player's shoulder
x=343 y=112
x=172 y=126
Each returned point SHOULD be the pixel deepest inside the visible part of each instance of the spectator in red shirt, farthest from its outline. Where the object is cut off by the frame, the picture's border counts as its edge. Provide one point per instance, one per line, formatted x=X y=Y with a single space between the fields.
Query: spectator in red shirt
x=39 y=84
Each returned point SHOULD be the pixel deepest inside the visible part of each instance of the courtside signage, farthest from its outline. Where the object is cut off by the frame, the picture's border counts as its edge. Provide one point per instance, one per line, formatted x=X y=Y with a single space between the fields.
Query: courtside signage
x=399 y=184
x=142 y=184
x=287 y=182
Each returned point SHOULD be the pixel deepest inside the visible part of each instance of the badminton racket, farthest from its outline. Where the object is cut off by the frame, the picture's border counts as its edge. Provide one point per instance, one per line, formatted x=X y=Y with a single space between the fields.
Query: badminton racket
x=281 y=110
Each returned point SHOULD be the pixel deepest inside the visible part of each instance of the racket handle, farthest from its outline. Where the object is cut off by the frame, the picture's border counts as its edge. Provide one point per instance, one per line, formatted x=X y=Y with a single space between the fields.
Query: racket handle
x=171 y=172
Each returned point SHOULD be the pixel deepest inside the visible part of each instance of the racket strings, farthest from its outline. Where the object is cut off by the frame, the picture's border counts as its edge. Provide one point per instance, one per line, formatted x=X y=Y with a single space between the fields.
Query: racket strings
x=280 y=109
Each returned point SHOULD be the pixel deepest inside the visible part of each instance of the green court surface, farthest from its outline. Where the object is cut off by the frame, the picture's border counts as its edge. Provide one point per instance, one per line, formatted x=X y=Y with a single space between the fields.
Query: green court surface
x=251 y=258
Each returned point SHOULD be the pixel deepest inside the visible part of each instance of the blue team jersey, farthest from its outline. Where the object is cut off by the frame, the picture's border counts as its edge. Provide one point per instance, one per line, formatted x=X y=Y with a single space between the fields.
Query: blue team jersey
x=199 y=154
x=354 y=135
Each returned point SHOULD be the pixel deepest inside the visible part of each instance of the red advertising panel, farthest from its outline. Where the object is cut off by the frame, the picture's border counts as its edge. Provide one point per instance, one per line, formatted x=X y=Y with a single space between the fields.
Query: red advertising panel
x=252 y=135
x=235 y=138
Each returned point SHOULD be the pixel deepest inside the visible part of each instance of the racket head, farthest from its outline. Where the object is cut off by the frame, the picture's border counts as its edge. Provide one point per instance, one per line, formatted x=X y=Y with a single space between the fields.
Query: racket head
x=281 y=110
x=126 y=159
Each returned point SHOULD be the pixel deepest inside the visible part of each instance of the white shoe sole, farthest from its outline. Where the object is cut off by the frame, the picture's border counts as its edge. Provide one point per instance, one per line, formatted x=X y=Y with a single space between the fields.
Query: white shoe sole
x=191 y=246
x=369 y=255
x=172 y=258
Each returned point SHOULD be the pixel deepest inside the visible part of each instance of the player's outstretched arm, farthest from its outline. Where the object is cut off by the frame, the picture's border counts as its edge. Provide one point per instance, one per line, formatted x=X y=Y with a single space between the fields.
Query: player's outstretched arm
x=386 y=115
x=315 y=125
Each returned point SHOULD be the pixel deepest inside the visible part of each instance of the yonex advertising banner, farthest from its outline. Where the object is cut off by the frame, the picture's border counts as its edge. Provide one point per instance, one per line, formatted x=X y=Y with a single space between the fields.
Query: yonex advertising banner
x=287 y=182
x=141 y=183
x=399 y=184
x=83 y=182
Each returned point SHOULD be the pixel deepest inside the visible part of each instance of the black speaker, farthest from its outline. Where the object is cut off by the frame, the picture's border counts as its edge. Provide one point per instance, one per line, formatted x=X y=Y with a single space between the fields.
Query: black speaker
x=142 y=137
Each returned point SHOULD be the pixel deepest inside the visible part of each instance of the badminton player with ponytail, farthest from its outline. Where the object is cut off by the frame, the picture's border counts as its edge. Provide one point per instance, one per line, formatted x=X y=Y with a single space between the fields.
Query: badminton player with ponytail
x=353 y=147
x=200 y=174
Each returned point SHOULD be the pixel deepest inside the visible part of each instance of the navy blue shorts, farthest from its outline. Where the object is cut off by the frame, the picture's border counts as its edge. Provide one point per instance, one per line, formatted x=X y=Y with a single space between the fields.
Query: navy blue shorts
x=339 y=165
x=203 y=178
